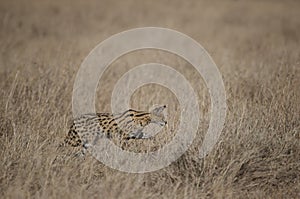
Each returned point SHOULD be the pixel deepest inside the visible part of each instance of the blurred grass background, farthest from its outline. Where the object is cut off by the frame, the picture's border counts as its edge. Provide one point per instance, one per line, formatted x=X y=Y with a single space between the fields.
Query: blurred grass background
x=255 y=45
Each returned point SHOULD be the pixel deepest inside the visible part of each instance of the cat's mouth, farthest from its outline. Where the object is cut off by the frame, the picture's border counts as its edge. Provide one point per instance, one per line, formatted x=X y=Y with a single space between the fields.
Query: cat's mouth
x=163 y=123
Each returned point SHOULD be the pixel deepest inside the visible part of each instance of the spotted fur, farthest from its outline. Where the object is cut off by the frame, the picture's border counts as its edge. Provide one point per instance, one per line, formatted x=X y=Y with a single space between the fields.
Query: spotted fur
x=128 y=125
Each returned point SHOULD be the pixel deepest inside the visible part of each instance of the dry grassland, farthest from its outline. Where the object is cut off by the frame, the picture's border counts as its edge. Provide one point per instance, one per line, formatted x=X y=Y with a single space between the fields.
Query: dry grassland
x=255 y=45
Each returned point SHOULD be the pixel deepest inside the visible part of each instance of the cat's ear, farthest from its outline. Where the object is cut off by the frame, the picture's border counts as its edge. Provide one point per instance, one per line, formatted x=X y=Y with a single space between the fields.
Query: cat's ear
x=158 y=110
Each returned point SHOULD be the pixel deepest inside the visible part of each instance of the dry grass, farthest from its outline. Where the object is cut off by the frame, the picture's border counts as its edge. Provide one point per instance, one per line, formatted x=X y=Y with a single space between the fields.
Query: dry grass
x=256 y=46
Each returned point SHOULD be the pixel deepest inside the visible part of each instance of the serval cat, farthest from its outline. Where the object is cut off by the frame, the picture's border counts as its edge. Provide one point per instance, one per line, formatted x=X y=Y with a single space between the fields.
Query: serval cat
x=128 y=125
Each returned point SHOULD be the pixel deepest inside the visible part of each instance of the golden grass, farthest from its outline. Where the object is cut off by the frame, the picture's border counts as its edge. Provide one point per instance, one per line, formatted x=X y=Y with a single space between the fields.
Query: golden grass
x=255 y=45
